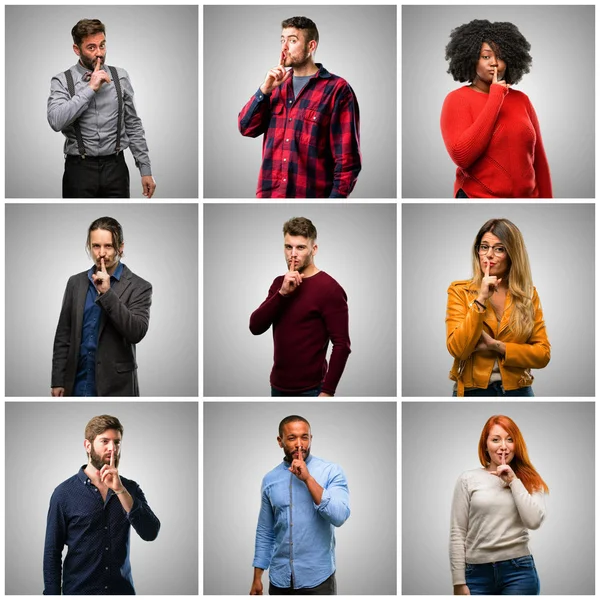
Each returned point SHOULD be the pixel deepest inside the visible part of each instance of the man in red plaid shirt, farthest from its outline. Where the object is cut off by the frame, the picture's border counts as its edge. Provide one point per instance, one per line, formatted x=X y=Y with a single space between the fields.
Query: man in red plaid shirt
x=310 y=119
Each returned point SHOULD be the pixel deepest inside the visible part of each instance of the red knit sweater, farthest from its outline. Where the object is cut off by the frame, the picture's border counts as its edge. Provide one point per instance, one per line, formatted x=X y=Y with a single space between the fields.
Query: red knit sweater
x=495 y=141
x=303 y=323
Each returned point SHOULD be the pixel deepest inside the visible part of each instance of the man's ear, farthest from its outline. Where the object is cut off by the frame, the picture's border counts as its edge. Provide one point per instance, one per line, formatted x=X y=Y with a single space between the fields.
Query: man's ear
x=76 y=49
x=280 y=442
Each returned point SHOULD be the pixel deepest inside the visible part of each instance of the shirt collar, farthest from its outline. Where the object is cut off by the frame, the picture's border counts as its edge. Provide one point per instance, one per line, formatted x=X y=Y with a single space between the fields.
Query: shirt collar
x=82 y=476
x=81 y=69
x=116 y=275
x=322 y=72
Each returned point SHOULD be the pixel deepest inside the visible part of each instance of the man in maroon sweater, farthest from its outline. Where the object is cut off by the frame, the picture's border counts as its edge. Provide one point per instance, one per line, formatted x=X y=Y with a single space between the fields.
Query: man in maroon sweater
x=307 y=309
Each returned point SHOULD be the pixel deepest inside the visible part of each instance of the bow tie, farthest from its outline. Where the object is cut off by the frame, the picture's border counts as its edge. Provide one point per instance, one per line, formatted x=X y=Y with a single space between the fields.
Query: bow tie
x=87 y=76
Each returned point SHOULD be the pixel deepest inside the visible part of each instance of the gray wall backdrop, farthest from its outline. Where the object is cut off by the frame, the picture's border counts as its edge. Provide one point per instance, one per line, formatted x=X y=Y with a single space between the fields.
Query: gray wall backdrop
x=44 y=447
x=240 y=448
x=439 y=442
x=562 y=47
x=243 y=254
x=241 y=43
x=436 y=250
x=161 y=246
x=156 y=45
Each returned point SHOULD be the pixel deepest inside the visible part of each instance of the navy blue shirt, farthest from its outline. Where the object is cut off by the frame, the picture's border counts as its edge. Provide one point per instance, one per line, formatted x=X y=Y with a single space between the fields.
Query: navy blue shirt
x=85 y=381
x=97 y=535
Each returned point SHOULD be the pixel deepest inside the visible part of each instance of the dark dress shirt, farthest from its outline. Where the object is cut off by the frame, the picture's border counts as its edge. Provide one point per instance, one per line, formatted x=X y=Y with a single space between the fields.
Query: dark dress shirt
x=311 y=146
x=85 y=382
x=98 y=115
x=96 y=533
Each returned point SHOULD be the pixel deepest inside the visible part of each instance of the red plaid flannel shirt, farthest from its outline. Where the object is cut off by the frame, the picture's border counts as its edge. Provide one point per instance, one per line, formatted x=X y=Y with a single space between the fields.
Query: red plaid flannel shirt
x=311 y=147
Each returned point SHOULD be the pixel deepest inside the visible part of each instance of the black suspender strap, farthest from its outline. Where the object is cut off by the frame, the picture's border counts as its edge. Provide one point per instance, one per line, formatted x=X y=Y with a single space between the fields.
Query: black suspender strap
x=71 y=88
x=115 y=78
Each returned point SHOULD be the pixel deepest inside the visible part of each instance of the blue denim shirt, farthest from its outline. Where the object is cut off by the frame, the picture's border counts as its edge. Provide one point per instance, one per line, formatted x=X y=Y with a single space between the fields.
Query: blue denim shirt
x=295 y=537
x=96 y=533
x=85 y=381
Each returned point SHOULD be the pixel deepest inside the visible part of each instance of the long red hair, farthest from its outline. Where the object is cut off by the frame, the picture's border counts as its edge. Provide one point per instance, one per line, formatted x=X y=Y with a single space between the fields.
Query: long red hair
x=520 y=464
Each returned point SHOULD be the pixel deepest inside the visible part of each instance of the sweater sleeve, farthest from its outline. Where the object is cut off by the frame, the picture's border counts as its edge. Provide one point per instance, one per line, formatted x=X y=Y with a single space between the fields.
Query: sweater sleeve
x=264 y=316
x=467 y=139
x=531 y=507
x=535 y=353
x=335 y=315
x=459 y=524
x=464 y=324
x=540 y=161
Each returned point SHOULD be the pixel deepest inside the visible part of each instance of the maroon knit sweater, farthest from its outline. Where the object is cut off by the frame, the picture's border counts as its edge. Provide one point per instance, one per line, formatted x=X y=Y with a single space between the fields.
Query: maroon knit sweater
x=303 y=324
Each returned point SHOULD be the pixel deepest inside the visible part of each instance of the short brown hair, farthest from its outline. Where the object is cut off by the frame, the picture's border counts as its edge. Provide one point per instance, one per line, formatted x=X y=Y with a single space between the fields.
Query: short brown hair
x=86 y=27
x=300 y=226
x=310 y=29
x=100 y=424
x=108 y=224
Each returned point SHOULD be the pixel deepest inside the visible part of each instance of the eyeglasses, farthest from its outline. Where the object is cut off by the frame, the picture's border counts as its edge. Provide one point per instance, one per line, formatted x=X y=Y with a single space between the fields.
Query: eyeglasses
x=485 y=248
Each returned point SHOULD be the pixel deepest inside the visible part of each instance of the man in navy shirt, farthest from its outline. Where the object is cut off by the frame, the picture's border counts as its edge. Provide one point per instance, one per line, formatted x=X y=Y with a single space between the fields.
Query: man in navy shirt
x=304 y=499
x=92 y=513
x=105 y=313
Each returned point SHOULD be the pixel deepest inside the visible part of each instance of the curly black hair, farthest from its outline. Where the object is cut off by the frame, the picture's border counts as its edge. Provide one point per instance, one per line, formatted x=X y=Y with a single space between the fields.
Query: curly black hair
x=507 y=41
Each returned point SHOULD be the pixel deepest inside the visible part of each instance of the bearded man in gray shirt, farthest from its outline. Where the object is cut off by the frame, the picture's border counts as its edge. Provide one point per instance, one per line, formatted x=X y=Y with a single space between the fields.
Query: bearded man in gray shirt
x=92 y=104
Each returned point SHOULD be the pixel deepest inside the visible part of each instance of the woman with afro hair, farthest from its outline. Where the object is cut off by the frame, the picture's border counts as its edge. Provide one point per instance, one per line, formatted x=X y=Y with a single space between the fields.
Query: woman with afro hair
x=490 y=130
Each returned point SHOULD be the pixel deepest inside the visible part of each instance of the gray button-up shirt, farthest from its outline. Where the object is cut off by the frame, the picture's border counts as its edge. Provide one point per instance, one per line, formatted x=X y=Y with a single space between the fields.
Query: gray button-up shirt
x=97 y=113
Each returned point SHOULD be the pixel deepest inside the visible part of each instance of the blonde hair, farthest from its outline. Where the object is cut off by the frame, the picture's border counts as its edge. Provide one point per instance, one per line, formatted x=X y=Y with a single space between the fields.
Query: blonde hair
x=520 y=283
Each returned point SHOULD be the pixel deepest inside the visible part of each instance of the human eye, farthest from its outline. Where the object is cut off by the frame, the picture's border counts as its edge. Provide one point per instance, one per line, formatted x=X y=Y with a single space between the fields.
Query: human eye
x=484 y=247
x=499 y=250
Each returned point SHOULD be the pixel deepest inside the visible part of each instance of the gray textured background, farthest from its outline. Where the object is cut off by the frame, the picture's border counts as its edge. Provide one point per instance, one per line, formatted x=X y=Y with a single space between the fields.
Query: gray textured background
x=560 y=86
x=45 y=245
x=436 y=250
x=44 y=447
x=240 y=448
x=243 y=254
x=156 y=45
x=241 y=43
x=439 y=442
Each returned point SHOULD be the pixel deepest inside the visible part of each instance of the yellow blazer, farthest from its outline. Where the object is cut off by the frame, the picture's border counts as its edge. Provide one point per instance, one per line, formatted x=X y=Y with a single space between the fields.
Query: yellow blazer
x=464 y=324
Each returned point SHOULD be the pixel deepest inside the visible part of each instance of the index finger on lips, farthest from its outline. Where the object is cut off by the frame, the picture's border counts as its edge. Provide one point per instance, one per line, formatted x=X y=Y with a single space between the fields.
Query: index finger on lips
x=102 y=266
x=112 y=458
x=97 y=67
x=504 y=458
x=487 y=268
x=495 y=77
x=282 y=58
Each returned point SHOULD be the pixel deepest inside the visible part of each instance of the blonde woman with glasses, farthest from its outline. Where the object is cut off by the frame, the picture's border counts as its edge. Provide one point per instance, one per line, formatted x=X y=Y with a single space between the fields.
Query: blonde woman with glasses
x=495 y=327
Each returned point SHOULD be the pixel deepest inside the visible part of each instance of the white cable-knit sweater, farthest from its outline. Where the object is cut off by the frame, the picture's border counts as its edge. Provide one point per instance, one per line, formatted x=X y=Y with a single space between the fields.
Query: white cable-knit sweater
x=490 y=520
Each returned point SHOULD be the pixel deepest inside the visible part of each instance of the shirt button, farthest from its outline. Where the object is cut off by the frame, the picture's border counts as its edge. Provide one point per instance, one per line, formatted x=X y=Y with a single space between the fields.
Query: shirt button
x=314 y=118
x=287 y=140
x=285 y=180
x=106 y=528
x=106 y=568
x=289 y=119
x=290 y=101
x=285 y=159
x=106 y=548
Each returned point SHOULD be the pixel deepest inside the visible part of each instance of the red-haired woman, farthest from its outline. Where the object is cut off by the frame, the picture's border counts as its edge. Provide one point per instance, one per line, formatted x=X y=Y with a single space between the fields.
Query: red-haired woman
x=492 y=510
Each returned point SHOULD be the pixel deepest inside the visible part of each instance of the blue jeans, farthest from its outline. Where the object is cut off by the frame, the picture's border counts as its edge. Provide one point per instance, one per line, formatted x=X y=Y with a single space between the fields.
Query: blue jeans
x=496 y=389
x=313 y=392
x=514 y=576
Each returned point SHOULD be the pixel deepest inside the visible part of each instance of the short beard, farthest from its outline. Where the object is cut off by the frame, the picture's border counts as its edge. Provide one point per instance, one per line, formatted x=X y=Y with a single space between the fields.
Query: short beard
x=97 y=462
x=289 y=458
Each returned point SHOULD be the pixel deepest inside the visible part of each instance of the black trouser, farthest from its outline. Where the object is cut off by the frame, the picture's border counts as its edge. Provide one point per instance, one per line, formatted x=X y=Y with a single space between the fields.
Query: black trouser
x=96 y=177
x=327 y=588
